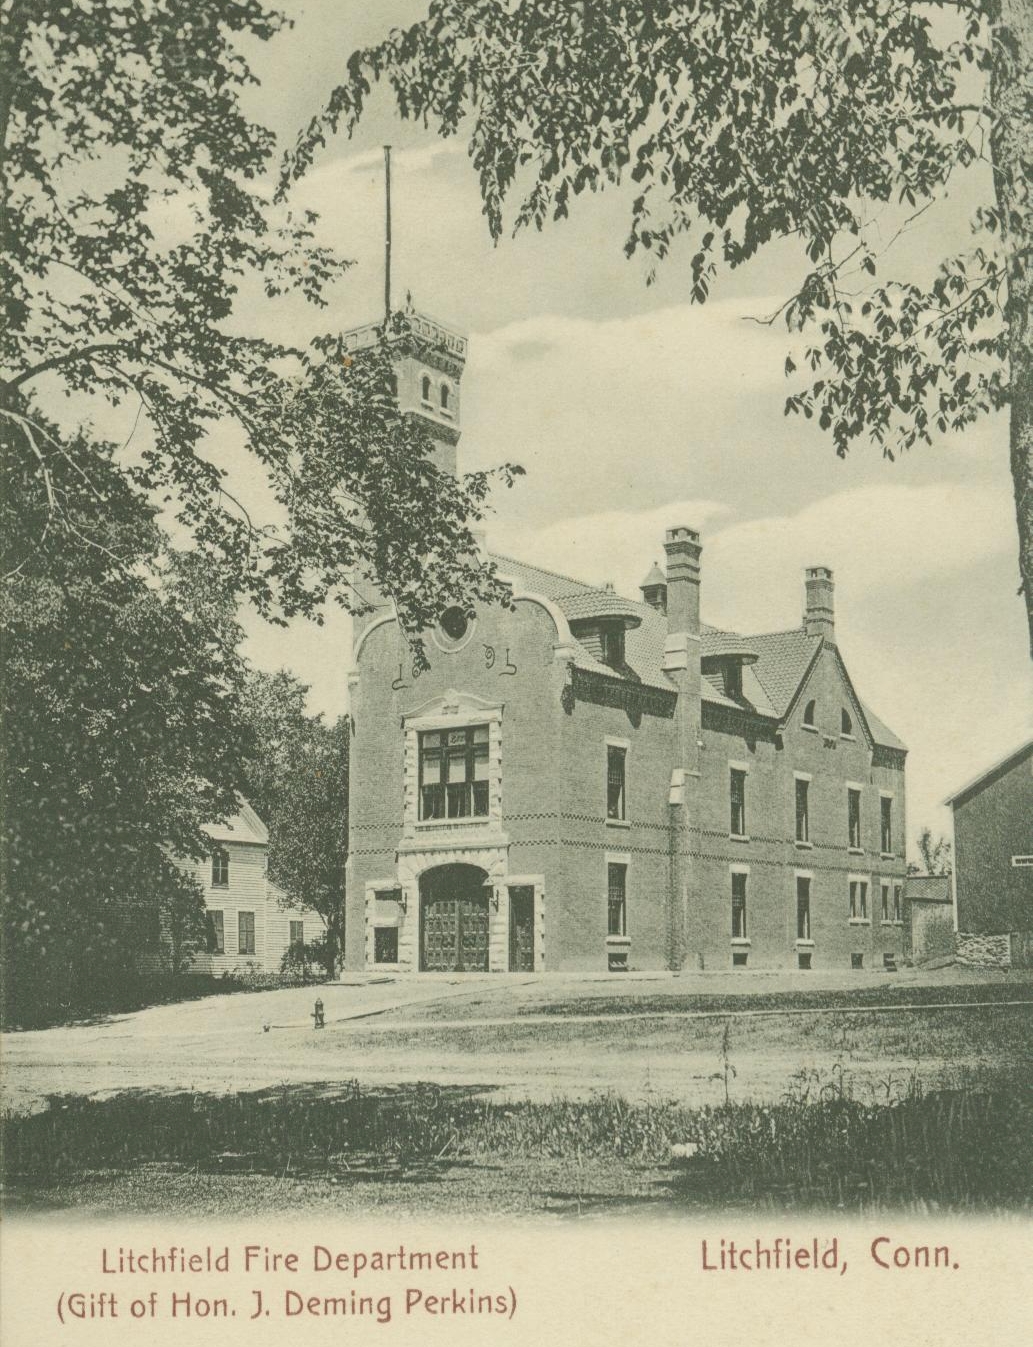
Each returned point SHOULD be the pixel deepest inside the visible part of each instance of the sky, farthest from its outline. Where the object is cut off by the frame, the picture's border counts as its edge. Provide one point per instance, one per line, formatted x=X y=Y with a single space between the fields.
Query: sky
x=632 y=410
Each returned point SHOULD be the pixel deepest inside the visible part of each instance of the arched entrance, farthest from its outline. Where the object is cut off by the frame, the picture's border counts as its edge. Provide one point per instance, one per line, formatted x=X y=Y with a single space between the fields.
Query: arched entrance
x=454 y=920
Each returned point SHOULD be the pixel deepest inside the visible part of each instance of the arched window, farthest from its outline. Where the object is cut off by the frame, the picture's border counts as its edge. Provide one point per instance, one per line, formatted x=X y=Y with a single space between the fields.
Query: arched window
x=425 y=388
x=394 y=384
x=808 y=713
x=444 y=397
x=846 y=725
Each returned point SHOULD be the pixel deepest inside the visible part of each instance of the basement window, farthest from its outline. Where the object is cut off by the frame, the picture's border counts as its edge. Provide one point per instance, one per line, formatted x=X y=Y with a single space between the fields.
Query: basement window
x=857 y=961
x=803 y=960
x=739 y=957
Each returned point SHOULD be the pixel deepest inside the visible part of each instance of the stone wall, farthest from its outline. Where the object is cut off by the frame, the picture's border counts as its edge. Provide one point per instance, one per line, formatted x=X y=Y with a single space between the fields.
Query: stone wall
x=983 y=951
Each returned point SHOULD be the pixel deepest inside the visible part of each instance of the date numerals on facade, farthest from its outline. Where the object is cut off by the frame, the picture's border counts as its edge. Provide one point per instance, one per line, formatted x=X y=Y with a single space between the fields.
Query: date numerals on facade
x=491 y=659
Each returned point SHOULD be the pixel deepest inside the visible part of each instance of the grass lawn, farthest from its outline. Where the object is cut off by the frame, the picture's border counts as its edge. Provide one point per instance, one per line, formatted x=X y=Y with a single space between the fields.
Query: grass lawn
x=570 y=1097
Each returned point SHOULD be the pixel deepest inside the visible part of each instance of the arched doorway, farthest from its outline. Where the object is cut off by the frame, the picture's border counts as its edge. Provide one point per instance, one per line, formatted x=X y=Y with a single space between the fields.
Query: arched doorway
x=454 y=920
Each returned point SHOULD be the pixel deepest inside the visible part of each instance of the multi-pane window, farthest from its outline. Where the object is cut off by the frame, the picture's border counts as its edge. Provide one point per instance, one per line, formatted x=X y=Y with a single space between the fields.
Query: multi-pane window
x=216 y=932
x=803 y=821
x=897 y=904
x=616 y=761
x=803 y=908
x=886 y=824
x=454 y=773
x=220 y=869
x=385 y=944
x=738 y=906
x=611 y=640
x=853 y=813
x=859 y=899
x=616 y=899
x=737 y=787
x=245 y=933
x=885 y=902
x=297 y=933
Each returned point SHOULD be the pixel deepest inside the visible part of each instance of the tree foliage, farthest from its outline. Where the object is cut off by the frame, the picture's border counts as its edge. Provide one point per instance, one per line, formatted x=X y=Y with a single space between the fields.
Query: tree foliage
x=296 y=778
x=136 y=218
x=121 y=728
x=748 y=121
x=936 y=855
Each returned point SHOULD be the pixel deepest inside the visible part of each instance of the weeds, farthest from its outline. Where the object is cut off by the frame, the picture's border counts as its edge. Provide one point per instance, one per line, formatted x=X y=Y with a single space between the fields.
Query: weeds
x=818 y=1147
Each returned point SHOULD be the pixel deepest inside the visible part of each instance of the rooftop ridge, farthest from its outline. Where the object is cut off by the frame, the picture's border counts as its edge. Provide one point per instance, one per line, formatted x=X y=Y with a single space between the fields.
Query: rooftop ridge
x=556 y=575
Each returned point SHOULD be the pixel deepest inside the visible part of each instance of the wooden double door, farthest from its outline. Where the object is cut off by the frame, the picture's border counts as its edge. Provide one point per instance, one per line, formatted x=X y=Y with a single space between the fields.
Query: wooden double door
x=454 y=920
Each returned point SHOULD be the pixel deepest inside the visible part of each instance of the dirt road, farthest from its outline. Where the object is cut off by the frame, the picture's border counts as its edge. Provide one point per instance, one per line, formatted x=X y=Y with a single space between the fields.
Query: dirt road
x=502 y=1033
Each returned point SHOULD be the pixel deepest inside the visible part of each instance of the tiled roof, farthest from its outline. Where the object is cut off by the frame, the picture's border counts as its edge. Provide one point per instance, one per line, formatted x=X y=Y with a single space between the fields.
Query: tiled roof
x=784 y=658
x=881 y=732
x=716 y=643
x=769 y=685
x=928 y=888
x=600 y=603
x=548 y=584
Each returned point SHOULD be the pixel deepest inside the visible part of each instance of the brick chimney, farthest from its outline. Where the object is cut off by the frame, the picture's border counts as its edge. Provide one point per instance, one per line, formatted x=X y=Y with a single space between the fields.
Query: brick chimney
x=683 y=550
x=682 y=665
x=819 y=618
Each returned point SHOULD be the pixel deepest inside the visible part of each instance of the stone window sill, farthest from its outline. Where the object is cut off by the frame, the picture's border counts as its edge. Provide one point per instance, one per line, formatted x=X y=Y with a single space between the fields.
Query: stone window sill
x=804 y=944
x=811 y=729
x=860 y=921
x=855 y=851
x=887 y=855
x=738 y=940
x=801 y=845
x=618 y=942
x=470 y=821
x=618 y=823
x=738 y=837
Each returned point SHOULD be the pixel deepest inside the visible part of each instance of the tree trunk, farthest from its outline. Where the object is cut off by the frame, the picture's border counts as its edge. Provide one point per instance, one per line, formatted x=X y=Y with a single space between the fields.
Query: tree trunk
x=1011 y=81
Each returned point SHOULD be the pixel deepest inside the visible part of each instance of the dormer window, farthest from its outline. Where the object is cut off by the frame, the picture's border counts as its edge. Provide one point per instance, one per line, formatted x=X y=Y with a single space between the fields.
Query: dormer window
x=808 y=714
x=611 y=640
x=733 y=679
x=425 y=388
x=846 y=725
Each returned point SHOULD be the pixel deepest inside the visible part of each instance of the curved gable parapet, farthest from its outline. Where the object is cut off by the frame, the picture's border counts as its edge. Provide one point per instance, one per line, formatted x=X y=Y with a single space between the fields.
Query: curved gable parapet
x=367 y=630
x=564 y=645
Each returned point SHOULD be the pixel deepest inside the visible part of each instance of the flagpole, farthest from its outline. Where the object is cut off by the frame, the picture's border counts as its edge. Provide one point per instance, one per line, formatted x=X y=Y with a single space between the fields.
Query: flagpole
x=387 y=236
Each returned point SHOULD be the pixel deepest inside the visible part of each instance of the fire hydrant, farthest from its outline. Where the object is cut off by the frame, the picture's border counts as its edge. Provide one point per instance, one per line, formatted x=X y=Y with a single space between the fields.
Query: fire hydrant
x=318 y=1020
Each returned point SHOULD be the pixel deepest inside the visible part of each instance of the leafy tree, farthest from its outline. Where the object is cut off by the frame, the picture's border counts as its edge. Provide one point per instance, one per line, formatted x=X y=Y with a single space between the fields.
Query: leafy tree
x=749 y=121
x=121 y=735
x=936 y=855
x=134 y=219
x=297 y=780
